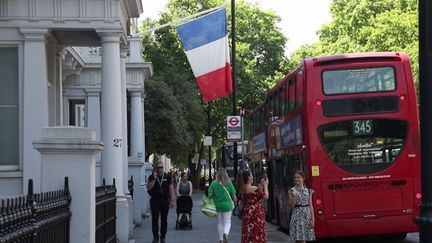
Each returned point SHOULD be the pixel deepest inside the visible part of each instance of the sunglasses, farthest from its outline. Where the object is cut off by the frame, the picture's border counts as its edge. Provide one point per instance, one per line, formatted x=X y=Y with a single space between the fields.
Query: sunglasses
x=159 y=167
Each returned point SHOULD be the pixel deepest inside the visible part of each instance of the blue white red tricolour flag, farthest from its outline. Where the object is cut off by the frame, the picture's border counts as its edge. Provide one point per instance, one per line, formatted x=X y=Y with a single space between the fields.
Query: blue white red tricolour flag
x=205 y=41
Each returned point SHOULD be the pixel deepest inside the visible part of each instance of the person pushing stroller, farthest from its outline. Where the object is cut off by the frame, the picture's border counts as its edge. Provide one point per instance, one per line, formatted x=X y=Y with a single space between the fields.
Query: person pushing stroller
x=184 y=202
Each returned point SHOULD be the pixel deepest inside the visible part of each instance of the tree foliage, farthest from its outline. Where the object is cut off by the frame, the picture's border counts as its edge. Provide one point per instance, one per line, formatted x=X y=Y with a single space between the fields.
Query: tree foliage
x=367 y=25
x=174 y=106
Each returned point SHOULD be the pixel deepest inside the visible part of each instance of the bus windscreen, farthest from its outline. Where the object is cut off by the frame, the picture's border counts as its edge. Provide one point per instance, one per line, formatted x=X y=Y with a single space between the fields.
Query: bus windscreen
x=364 y=80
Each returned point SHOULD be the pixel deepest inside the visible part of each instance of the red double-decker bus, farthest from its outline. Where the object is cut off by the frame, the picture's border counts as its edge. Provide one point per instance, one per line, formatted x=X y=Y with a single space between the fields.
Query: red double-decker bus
x=350 y=122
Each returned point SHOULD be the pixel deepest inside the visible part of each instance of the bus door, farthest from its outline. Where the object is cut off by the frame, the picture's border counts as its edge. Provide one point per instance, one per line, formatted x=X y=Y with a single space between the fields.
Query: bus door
x=270 y=203
x=289 y=166
x=276 y=165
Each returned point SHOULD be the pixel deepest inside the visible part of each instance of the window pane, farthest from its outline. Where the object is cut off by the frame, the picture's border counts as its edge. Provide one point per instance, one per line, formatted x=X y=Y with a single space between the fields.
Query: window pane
x=287 y=106
x=364 y=80
x=9 y=135
x=9 y=76
x=292 y=94
x=282 y=100
x=299 y=91
x=77 y=113
x=9 y=111
x=364 y=146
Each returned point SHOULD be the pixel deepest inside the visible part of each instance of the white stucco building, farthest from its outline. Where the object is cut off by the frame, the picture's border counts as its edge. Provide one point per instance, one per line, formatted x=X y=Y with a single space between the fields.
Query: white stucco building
x=71 y=63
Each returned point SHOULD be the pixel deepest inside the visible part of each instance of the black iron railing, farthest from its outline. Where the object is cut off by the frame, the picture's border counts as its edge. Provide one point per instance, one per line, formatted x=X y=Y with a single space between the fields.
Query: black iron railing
x=130 y=186
x=36 y=218
x=106 y=213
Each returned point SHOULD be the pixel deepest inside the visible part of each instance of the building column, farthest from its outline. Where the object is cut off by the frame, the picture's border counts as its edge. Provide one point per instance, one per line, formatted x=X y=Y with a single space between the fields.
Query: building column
x=111 y=110
x=35 y=102
x=93 y=114
x=123 y=57
x=143 y=125
x=60 y=57
x=137 y=132
x=136 y=163
x=112 y=127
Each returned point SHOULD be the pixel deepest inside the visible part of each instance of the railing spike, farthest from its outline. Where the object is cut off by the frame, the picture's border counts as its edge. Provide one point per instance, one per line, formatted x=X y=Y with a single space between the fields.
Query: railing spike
x=30 y=187
x=66 y=185
x=7 y=205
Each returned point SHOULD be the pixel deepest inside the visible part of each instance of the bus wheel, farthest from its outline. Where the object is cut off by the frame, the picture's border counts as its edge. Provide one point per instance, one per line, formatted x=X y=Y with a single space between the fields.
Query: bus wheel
x=400 y=236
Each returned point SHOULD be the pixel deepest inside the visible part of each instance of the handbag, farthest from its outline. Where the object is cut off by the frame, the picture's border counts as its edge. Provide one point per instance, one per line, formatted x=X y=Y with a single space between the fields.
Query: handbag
x=238 y=210
x=209 y=208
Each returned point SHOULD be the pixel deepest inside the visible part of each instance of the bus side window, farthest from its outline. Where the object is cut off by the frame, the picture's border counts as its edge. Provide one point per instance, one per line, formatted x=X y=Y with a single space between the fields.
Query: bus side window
x=292 y=94
x=299 y=89
x=282 y=101
x=271 y=109
x=287 y=99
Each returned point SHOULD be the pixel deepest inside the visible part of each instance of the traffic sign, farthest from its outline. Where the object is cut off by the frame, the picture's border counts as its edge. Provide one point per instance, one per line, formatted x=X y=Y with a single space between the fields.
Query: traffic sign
x=233 y=122
x=233 y=129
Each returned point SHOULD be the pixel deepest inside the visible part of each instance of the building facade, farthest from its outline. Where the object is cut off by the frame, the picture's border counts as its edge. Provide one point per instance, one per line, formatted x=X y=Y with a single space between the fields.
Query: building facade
x=71 y=63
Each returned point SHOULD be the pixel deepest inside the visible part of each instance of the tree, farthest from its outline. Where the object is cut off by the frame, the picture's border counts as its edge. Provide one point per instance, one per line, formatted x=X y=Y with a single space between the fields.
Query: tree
x=367 y=25
x=260 y=55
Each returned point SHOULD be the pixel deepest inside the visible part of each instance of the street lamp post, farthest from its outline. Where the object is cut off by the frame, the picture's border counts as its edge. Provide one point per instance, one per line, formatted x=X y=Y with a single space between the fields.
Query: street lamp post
x=233 y=70
x=209 y=134
x=424 y=220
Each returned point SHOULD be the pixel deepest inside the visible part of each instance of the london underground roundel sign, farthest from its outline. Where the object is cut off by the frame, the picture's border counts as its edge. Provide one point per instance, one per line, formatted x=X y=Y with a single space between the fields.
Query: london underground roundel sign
x=233 y=121
x=233 y=129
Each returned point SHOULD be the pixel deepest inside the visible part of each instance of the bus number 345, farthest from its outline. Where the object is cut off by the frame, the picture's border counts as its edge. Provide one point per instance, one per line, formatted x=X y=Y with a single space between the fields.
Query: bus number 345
x=362 y=127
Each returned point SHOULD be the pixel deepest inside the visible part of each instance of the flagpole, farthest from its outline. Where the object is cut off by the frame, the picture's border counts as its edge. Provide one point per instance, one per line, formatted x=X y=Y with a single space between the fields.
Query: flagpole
x=234 y=81
x=176 y=21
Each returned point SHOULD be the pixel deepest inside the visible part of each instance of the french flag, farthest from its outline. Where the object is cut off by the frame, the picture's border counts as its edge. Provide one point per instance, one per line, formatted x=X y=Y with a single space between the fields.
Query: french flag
x=205 y=41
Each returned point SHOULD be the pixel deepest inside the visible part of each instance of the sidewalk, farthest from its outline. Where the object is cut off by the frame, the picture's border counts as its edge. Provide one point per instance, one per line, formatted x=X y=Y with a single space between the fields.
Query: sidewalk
x=204 y=229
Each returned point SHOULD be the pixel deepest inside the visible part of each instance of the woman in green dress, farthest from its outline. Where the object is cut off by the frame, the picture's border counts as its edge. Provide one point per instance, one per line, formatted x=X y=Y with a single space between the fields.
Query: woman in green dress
x=224 y=196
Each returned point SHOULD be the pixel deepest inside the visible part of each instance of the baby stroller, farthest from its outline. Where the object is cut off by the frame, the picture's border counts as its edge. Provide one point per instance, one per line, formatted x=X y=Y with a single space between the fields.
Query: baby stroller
x=184 y=212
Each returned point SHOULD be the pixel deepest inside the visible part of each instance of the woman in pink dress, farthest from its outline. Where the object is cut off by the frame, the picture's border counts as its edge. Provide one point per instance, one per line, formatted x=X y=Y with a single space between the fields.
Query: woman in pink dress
x=253 y=218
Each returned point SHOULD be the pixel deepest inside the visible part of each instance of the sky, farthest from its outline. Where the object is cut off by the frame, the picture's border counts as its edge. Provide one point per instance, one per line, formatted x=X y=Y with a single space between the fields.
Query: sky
x=300 y=19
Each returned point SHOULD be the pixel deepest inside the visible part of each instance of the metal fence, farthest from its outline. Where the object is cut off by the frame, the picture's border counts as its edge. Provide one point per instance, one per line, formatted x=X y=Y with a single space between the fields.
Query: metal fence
x=37 y=217
x=106 y=213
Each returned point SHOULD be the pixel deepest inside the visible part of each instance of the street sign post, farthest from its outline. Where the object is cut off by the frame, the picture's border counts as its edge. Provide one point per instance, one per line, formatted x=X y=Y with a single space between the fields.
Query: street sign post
x=208 y=141
x=233 y=129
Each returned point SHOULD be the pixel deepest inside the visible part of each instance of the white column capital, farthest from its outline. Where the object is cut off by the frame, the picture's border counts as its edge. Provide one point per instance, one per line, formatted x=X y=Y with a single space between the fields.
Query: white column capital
x=135 y=92
x=91 y=92
x=109 y=36
x=34 y=34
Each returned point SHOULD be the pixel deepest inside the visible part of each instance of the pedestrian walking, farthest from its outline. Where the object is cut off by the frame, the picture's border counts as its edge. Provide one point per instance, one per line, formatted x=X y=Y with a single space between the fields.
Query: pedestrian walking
x=302 y=217
x=224 y=196
x=253 y=217
x=162 y=194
